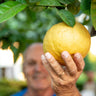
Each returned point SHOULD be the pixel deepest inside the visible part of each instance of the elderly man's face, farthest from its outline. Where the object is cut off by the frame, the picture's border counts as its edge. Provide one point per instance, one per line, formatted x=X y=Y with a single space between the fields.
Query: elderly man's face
x=35 y=73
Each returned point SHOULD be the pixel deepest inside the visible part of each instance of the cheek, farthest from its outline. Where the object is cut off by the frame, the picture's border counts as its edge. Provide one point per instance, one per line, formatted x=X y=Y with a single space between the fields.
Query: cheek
x=45 y=71
x=29 y=71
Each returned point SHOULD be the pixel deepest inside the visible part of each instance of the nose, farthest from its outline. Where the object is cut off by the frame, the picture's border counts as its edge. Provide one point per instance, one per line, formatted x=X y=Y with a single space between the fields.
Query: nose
x=38 y=67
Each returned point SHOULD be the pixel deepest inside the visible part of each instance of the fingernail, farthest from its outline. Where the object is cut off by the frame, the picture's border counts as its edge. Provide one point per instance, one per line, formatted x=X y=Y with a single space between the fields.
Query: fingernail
x=65 y=54
x=48 y=55
x=77 y=55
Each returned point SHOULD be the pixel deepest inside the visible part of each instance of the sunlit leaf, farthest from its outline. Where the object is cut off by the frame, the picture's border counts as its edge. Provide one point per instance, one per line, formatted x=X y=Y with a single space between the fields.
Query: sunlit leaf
x=10 y=9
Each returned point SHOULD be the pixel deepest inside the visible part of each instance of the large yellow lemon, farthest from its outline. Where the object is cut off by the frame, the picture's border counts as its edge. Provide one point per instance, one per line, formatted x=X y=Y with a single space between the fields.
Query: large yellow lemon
x=61 y=37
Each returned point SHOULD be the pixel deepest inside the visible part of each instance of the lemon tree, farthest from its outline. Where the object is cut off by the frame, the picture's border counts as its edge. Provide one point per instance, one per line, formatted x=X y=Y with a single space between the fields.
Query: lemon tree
x=65 y=10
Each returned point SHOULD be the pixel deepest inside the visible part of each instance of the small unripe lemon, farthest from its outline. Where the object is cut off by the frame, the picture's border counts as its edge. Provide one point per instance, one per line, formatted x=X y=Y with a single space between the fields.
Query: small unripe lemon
x=61 y=37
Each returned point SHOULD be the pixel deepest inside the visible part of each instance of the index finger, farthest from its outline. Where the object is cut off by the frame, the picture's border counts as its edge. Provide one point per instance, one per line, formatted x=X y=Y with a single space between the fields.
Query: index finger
x=55 y=65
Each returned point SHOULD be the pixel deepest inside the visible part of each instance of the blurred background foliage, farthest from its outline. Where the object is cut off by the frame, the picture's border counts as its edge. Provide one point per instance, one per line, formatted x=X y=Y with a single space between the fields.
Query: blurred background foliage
x=8 y=88
x=25 y=28
x=31 y=24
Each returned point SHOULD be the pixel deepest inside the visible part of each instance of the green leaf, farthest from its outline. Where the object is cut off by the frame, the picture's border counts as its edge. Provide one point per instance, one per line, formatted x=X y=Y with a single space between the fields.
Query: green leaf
x=93 y=13
x=10 y=9
x=15 y=51
x=33 y=1
x=67 y=17
x=49 y=3
x=85 y=6
x=21 y=1
x=66 y=1
x=74 y=8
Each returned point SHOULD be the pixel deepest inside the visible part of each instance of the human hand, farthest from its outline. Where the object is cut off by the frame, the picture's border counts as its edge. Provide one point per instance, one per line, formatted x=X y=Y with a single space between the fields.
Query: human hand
x=63 y=78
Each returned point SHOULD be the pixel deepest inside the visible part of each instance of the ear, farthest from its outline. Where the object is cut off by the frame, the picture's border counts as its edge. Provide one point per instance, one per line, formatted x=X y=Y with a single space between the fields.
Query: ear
x=23 y=69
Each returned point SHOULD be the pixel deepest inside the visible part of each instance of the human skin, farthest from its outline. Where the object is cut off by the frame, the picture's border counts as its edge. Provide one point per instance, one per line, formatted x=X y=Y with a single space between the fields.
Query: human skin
x=63 y=78
x=37 y=76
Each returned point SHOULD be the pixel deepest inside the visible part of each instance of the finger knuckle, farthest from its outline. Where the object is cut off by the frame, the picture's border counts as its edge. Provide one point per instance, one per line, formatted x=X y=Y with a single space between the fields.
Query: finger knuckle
x=60 y=83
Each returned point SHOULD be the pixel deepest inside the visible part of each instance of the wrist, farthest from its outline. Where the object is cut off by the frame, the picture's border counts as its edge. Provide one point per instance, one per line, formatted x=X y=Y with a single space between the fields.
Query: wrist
x=71 y=91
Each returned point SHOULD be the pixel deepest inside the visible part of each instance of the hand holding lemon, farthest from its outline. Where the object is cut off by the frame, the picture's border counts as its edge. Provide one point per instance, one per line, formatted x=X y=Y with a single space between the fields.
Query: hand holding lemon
x=67 y=46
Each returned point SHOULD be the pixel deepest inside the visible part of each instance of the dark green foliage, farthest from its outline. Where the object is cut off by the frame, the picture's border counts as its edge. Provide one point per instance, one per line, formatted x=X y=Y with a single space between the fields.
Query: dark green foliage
x=93 y=13
x=66 y=1
x=74 y=7
x=67 y=17
x=85 y=6
x=26 y=29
